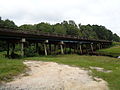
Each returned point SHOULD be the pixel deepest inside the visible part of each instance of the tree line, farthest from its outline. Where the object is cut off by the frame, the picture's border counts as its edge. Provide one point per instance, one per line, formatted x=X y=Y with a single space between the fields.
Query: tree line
x=67 y=28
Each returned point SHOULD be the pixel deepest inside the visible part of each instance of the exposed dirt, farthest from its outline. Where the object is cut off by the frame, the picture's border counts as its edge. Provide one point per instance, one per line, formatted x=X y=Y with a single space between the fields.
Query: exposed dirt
x=53 y=76
x=101 y=69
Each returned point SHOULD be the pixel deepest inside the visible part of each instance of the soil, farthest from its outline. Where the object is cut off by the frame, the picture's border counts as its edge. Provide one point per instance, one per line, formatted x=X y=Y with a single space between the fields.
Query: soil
x=53 y=76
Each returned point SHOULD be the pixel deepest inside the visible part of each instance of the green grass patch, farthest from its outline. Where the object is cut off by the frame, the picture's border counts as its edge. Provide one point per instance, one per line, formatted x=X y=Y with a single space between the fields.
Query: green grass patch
x=10 y=68
x=113 y=78
x=113 y=51
x=116 y=43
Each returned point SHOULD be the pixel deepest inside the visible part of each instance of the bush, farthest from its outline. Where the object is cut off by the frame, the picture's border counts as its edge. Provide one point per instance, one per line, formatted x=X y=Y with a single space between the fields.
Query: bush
x=31 y=51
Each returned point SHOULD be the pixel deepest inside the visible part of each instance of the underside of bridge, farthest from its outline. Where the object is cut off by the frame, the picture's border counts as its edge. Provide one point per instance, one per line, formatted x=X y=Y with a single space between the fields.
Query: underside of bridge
x=50 y=44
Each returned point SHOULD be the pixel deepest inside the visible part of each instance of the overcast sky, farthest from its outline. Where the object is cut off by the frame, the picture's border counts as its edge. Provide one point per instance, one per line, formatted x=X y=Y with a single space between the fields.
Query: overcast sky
x=101 y=12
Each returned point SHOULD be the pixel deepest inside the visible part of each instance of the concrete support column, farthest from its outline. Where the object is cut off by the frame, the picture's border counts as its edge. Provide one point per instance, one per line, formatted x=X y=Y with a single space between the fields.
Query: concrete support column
x=23 y=40
x=80 y=48
x=92 y=47
x=98 y=46
x=61 y=47
x=45 y=47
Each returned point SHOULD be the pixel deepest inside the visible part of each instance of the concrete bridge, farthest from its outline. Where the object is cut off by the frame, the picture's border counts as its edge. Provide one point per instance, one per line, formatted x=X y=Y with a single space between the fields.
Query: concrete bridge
x=51 y=43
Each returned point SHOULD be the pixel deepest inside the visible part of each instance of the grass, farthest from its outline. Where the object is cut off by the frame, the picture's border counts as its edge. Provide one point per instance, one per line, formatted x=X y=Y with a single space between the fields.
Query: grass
x=113 y=51
x=116 y=43
x=113 y=78
x=10 y=68
x=13 y=67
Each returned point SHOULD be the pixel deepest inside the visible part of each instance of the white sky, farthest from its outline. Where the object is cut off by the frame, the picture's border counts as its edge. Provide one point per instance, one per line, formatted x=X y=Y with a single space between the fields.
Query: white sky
x=101 y=12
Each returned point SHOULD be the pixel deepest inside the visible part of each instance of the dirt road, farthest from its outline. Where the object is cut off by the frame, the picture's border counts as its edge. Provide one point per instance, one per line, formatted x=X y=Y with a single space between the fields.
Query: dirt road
x=53 y=76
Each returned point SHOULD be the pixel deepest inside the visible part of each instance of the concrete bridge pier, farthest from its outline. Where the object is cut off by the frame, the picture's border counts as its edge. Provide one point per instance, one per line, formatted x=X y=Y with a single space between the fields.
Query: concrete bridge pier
x=80 y=48
x=91 y=44
x=98 y=46
x=45 y=47
x=23 y=40
x=61 y=47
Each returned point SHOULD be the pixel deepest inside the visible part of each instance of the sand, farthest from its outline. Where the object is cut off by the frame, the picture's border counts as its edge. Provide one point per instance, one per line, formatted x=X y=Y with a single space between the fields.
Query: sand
x=53 y=76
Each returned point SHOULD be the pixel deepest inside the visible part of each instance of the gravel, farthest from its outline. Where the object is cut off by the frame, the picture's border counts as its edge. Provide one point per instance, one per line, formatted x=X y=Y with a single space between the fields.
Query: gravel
x=53 y=76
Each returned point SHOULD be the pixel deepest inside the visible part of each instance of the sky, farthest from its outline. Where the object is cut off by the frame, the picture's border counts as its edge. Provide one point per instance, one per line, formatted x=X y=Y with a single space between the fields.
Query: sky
x=100 y=12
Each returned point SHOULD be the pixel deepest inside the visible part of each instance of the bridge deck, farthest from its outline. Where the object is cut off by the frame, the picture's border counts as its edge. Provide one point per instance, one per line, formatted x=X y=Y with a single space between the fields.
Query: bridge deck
x=9 y=34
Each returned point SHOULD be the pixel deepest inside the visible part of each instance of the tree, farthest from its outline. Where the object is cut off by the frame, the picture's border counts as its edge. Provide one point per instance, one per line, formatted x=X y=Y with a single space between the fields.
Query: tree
x=59 y=29
x=116 y=37
x=2 y=24
x=44 y=27
x=27 y=27
x=9 y=24
x=72 y=30
x=71 y=22
x=88 y=32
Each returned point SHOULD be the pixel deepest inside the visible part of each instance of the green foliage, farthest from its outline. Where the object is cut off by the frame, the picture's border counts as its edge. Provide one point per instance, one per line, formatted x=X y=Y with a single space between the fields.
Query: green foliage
x=3 y=46
x=7 y=24
x=31 y=51
x=27 y=27
x=67 y=28
x=10 y=68
x=71 y=28
x=114 y=51
x=116 y=37
x=87 y=31
x=104 y=34
x=116 y=43
x=59 y=29
x=44 y=27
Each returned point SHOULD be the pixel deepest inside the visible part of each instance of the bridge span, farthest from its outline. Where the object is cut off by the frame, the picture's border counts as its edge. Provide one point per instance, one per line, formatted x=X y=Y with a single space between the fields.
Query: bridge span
x=50 y=43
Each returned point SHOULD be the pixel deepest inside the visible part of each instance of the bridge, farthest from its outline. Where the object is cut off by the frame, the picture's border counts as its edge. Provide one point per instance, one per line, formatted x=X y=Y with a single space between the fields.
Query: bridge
x=50 y=43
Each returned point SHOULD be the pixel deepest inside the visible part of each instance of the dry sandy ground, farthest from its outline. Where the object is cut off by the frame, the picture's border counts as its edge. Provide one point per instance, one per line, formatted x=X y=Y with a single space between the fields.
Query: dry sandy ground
x=53 y=76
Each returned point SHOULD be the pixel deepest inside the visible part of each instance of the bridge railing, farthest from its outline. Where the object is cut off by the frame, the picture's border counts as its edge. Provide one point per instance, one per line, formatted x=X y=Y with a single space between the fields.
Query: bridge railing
x=37 y=32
